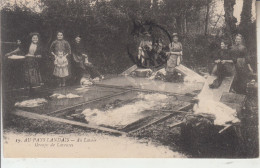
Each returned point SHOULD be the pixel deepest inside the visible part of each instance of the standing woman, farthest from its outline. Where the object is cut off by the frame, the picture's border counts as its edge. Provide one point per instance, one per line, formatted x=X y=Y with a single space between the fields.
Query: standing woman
x=61 y=45
x=240 y=56
x=32 y=50
x=174 y=55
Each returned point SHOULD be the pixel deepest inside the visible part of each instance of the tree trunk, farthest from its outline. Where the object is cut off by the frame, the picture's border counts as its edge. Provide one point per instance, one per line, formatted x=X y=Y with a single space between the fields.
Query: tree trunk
x=246 y=16
x=179 y=24
x=185 y=25
x=230 y=20
x=207 y=18
x=246 y=13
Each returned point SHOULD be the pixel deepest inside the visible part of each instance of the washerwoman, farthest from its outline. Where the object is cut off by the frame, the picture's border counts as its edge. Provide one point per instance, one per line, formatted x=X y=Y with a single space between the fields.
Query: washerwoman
x=174 y=56
x=33 y=51
x=241 y=60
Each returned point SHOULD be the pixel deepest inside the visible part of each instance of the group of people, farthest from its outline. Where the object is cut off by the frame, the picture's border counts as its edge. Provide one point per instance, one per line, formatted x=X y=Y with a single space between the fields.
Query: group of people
x=66 y=59
x=228 y=60
x=232 y=60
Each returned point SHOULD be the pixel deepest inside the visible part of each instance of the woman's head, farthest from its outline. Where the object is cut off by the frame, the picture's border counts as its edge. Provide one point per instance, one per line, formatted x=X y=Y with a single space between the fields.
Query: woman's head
x=59 y=35
x=175 y=37
x=35 y=37
x=223 y=44
x=238 y=39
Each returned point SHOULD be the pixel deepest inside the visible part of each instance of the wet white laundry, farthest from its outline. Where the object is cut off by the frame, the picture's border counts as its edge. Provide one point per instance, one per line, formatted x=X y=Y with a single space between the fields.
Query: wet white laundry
x=85 y=82
x=126 y=114
x=61 y=96
x=208 y=105
x=31 y=103
x=83 y=89
x=161 y=71
x=222 y=112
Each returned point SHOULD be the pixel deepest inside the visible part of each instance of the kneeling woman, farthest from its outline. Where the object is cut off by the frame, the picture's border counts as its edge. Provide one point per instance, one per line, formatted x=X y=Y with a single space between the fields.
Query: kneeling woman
x=82 y=66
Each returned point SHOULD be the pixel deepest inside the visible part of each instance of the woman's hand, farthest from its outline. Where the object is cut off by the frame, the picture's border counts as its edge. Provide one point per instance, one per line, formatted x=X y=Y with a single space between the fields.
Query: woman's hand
x=8 y=54
x=250 y=69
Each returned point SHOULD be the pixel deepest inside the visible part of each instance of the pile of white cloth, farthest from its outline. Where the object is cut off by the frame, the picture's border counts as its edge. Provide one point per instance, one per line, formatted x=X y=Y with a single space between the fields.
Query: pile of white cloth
x=31 y=103
x=127 y=113
x=68 y=96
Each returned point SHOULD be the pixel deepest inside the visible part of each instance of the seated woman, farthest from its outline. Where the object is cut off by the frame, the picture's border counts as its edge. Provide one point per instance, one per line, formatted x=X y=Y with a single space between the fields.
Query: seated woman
x=81 y=63
x=223 y=65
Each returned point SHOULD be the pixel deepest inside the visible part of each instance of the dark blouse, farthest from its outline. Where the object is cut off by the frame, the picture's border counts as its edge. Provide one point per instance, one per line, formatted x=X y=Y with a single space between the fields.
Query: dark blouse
x=77 y=51
x=60 y=45
x=239 y=51
x=222 y=54
x=78 y=48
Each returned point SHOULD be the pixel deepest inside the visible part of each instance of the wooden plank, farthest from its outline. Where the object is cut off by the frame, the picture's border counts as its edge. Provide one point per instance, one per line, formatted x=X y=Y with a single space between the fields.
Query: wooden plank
x=175 y=124
x=233 y=98
x=216 y=94
x=159 y=119
x=87 y=102
x=138 y=89
x=188 y=72
x=129 y=70
x=64 y=121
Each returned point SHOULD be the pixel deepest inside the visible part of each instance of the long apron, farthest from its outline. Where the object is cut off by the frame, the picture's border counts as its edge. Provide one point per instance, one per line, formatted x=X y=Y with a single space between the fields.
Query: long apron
x=32 y=74
x=241 y=75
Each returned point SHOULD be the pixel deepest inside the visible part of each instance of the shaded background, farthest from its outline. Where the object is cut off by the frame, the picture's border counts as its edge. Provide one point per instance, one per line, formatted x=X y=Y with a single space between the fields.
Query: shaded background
x=106 y=26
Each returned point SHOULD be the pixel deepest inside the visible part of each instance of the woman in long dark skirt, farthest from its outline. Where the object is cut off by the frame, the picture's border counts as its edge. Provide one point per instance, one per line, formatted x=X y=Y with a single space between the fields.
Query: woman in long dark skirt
x=241 y=60
x=32 y=50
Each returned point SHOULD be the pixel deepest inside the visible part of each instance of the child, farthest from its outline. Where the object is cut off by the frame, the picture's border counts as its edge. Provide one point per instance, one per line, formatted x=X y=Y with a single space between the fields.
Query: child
x=61 y=68
x=223 y=65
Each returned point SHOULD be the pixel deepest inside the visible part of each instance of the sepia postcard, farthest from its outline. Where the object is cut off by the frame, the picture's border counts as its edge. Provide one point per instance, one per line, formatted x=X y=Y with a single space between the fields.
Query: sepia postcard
x=129 y=79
